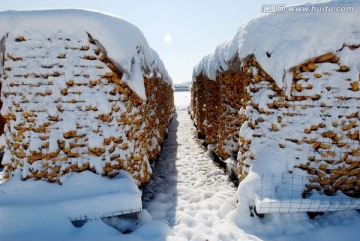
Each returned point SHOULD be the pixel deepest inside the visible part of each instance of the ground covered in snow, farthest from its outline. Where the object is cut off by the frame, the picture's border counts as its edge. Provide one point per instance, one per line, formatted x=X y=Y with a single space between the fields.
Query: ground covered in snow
x=189 y=198
x=188 y=191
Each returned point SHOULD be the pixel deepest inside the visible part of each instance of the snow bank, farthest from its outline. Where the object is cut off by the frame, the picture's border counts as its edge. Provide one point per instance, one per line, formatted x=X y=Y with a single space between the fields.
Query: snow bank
x=123 y=42
x=81 y=196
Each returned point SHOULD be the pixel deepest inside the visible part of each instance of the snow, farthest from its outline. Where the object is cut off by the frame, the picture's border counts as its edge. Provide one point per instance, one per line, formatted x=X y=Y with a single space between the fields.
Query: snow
x=182 y=99
x=124 y=43
x=212 y=63
x=85 y=185
x=290 y=38
x=189 y=198
x=188 y=192
x=43 y=209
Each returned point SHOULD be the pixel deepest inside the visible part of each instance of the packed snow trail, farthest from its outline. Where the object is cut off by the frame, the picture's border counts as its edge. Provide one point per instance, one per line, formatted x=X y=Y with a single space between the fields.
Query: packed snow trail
x=188 y=191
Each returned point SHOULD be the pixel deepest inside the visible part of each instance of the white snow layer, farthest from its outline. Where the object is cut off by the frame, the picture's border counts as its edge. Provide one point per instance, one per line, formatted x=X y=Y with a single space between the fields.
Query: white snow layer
x=289 y=38
x=124 y=43
x=46 y=208
x=79 y=196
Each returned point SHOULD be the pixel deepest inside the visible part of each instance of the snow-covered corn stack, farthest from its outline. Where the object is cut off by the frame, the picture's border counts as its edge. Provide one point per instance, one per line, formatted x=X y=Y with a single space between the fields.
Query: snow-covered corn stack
x=2 y=124
x=205 y=108
x=296 y=101
x=229 y=120
x=74 y=97
x=2 y=120
x=197 y=103
x=319 y=121
x=160 y=105
x=215 y=106
x=327 y=86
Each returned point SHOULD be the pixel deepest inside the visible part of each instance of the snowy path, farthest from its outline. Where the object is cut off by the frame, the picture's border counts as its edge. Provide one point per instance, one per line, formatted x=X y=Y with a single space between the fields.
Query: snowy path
x=188 y=191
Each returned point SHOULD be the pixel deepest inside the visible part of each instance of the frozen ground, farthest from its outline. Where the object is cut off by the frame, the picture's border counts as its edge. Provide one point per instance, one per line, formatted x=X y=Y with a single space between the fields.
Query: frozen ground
x=189 y=198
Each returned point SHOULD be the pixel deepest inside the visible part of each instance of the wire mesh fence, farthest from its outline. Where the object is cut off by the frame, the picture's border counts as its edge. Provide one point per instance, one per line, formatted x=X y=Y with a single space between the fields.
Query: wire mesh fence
x=284 y=193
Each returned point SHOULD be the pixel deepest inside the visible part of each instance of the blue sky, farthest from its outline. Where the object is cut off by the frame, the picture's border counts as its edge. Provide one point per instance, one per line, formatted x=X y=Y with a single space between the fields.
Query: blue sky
x=181 y=31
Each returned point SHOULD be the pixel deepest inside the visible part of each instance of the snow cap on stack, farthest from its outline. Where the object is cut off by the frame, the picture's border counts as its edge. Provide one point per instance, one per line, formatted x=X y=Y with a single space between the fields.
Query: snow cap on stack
x=280 y=41
x=123 y=42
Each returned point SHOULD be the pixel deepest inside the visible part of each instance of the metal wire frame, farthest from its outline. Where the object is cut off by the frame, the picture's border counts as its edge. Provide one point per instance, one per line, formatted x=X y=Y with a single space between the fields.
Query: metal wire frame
x=283 y=193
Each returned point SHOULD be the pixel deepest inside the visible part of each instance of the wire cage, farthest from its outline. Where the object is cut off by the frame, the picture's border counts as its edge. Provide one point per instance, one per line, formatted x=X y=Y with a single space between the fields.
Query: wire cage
x=284 y=193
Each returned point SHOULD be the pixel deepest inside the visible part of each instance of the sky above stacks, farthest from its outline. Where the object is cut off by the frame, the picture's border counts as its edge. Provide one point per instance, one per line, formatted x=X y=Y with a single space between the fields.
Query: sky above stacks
x=181 y=31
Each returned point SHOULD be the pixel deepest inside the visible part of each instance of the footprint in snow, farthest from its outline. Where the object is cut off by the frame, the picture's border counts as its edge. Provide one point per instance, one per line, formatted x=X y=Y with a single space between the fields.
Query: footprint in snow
x=195 y=199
